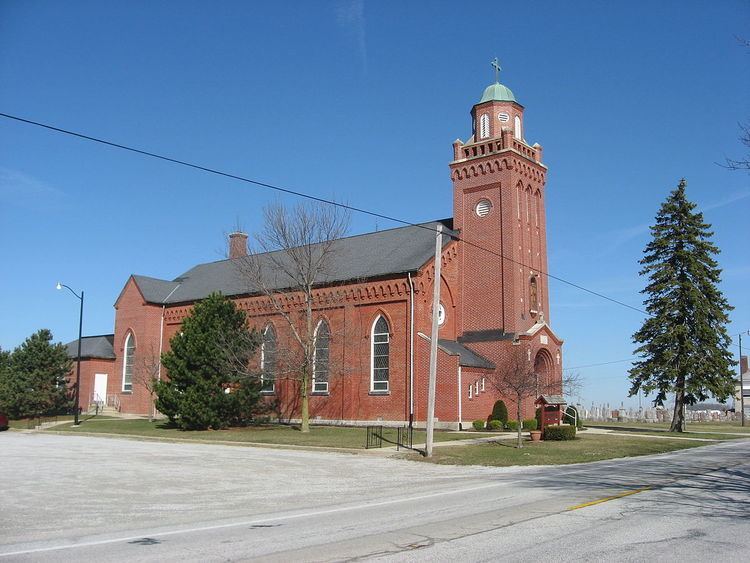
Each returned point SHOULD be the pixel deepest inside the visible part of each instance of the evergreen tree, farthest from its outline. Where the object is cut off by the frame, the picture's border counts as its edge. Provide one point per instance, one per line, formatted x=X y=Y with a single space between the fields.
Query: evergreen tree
x=33 y=379
x=499 y=412
x=209 y=385
x=684 y=342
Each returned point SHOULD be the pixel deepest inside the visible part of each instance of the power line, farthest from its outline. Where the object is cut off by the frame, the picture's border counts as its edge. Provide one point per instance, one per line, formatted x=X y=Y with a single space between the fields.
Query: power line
x=602 y=364
x=305 y=196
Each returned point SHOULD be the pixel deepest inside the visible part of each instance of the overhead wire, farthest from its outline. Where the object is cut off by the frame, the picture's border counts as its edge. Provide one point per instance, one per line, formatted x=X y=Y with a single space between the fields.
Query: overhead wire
x=304 y=195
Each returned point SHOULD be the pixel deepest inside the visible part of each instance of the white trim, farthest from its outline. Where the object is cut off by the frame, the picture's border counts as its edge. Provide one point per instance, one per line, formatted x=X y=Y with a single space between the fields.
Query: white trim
x=372 y=355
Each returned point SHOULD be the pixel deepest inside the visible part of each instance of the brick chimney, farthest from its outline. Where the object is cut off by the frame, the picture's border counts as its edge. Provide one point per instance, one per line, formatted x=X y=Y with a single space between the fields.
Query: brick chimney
x=237 y=245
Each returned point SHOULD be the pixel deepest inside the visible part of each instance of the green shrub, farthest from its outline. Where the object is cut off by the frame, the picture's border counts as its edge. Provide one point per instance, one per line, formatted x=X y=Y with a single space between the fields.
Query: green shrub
x=494 y=425
x=528 y=424
x=478 y=424
x=571 y=412
x=499 y=412
x=562 y=432
x=538 y=417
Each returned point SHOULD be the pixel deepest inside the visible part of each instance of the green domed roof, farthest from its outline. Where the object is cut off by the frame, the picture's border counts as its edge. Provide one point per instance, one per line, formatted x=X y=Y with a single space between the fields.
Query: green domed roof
x=497 y=93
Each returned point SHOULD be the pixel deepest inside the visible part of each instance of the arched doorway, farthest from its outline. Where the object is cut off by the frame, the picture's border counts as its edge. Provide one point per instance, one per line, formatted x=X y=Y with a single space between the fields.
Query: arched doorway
x=543 y=368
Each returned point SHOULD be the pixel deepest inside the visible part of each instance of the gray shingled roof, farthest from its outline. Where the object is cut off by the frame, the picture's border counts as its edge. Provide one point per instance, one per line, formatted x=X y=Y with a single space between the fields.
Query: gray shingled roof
x=553 y=399
x=466 y=357
x=371 y=255
x=93 y=347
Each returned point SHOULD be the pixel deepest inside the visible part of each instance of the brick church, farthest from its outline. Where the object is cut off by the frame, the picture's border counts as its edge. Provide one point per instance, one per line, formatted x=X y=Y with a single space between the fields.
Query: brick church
x=494 y=300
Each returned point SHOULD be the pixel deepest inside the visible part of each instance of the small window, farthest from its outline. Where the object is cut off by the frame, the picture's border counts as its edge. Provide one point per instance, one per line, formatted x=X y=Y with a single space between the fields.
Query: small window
x=127 y=366
x=483 y=207
x=268 y=361
x=380 y=353
x=321 y=358
x=503 y=117
x=484 y=126
x=471 y=391
x=533 y=295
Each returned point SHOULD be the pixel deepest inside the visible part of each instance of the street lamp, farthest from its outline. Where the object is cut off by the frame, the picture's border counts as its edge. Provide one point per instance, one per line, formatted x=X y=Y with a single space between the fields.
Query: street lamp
x=78 y=361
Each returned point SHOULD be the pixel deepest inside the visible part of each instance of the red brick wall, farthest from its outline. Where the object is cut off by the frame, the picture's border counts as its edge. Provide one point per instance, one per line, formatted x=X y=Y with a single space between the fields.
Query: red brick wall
x=90 y=367
x=132 y=314
x=479 y=291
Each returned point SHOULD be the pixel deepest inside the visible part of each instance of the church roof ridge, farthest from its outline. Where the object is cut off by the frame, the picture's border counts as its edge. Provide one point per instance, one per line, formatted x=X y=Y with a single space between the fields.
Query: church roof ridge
x=363 y=256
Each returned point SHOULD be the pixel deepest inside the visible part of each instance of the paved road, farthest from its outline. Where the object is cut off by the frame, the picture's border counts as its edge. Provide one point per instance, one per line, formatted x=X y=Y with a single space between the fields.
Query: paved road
x=82 y=498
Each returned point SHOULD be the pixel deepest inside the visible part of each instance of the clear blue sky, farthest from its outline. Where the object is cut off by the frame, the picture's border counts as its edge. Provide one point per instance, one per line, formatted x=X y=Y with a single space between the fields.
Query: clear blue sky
x=361 y=101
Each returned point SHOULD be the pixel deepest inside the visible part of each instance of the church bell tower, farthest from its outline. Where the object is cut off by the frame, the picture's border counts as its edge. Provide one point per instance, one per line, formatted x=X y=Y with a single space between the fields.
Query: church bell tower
x=499 y=205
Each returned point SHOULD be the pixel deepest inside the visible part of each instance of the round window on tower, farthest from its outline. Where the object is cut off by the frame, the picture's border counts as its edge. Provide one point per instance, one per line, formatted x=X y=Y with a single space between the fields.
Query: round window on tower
x=483 y=208
x=504 y=117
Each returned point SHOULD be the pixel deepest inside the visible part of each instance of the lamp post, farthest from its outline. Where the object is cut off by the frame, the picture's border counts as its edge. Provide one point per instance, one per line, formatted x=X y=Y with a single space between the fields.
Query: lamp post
x=78 y=361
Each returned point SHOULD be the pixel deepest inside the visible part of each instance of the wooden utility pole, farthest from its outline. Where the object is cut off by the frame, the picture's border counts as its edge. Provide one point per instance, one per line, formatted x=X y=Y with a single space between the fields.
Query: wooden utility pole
x=434 y=341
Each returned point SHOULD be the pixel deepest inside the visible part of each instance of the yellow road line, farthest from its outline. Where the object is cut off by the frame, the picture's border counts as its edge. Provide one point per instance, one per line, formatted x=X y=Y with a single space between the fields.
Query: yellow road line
x=605 y=499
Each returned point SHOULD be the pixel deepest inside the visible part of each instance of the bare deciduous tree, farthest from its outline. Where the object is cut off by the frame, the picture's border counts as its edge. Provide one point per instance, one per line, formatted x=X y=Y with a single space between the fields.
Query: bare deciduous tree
x=293 y=257
x=518 y=382
x=742 y=163
x=146 y=372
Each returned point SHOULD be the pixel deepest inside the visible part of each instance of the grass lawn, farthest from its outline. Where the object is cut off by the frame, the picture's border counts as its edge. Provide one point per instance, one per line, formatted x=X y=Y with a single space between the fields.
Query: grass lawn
x=714 y=431
x=584 y=448
x=322 y=436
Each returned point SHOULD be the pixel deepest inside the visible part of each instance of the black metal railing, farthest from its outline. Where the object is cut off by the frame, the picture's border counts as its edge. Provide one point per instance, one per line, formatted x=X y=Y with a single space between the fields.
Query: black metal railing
x=374 y=437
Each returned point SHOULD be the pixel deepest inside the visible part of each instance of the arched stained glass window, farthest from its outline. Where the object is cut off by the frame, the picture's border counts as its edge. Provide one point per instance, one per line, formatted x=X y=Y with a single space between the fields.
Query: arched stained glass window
x=128 y=363
x=381 y=349
x=268 y=360
x=321 y=358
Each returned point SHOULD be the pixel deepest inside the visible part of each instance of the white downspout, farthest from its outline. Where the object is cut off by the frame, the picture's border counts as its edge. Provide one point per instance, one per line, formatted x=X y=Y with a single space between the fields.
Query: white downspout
x=460 y=392
x=411 y=350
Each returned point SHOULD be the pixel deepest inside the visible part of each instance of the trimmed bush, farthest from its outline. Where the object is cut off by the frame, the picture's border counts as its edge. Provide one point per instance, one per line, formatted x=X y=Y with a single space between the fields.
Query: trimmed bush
x=499 y=412
x=571 y=412
x=494 y=425
x=478 y=425
x=528 y=424
x=562 y=432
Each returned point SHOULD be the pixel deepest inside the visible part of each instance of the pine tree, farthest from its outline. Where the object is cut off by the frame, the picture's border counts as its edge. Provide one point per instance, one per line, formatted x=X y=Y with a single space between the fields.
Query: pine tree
x=209 y=385
x=33 y=379
x=684 y=342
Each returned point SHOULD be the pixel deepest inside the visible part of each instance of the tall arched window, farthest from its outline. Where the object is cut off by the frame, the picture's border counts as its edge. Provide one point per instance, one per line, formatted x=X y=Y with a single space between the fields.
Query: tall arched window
x=320 y=359
x=517 y=123
x=268 y=360
x=380 y=354
x=484 y=126
x=128 y=363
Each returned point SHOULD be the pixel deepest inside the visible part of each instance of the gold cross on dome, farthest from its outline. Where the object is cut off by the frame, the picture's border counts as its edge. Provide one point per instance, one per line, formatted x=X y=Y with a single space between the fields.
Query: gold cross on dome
x=496 y=65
